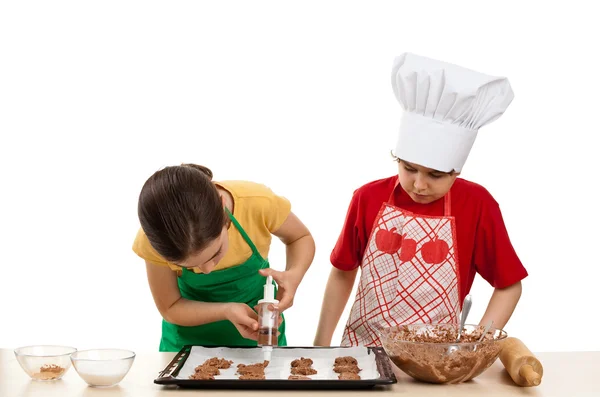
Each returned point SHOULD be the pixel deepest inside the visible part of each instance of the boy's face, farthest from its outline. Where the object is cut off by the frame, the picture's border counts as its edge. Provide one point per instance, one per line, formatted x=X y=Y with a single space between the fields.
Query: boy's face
x=424 y=185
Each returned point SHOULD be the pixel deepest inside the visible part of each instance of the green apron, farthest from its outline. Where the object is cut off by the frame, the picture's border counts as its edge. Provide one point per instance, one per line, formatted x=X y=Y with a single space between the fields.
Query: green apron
x=240 y=283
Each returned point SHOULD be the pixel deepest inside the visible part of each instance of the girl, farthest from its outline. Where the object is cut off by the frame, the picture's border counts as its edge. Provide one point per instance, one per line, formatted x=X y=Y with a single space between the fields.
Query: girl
x=420 y=236
x=205 y=246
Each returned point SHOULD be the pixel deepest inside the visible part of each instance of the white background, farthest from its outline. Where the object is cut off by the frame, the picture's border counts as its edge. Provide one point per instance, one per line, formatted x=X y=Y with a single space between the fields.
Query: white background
x=96 y=97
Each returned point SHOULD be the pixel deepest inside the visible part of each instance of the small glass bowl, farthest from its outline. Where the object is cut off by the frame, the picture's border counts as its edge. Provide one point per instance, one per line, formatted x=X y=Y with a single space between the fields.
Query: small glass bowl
x=102 y=367
x=45 y=362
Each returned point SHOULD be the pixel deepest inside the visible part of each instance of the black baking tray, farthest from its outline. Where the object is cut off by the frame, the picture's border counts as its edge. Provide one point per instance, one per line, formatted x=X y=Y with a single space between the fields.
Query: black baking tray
x=168 y=376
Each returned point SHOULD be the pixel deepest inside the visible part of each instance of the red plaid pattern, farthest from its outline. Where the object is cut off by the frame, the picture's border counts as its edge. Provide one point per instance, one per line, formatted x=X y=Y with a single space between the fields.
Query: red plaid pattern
x=393 y=292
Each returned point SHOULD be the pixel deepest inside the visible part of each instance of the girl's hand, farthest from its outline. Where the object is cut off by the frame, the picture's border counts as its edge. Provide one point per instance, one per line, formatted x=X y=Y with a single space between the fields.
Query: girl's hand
x=287 y=283
x=244 y=319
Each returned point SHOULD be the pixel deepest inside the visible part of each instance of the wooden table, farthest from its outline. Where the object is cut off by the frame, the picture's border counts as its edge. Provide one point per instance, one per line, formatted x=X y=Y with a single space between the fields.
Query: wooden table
x=565 y=374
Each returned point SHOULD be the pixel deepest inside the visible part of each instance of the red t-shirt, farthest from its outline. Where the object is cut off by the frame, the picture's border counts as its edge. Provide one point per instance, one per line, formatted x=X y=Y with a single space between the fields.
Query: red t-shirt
x=483 y=243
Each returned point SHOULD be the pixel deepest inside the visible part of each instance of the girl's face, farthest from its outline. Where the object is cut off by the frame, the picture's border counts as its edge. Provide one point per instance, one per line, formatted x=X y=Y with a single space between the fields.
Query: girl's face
x=424 y=185
x=207 y=259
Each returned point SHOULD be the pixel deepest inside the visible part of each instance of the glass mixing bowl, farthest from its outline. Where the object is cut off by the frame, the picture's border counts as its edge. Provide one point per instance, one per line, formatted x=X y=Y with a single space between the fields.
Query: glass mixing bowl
x=429 y=352
x=45 y=362
x=102 y=367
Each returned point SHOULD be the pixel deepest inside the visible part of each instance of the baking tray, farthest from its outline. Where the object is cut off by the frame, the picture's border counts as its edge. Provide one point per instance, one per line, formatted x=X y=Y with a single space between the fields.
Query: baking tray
x=169 y=375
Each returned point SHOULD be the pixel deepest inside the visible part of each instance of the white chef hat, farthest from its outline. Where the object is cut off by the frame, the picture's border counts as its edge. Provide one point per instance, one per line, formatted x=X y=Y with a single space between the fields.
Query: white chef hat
x=444 y=107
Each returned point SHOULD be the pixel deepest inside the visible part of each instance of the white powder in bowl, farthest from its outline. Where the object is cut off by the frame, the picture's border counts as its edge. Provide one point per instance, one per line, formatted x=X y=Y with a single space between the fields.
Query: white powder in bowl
x=101 y=380
x=103 y=367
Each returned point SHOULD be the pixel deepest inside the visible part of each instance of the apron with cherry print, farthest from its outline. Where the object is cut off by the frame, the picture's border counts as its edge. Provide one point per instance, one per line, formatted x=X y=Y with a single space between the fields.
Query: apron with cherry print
x=409 y=274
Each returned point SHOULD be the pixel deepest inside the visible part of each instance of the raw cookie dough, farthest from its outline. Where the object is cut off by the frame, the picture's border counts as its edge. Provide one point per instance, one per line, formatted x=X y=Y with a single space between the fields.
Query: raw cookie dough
x=302 y=366
x=252 y=371
x=346 y=368
x=303 y=371
x=302 y=362
x=253 y=376
x=298 y=377
x=220 y=363
x=349 y=376
x=346 y=361
x=210 y=368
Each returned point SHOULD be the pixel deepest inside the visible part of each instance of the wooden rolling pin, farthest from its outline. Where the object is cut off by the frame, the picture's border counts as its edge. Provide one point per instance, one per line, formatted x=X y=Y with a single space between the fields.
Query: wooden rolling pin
x=522 y=366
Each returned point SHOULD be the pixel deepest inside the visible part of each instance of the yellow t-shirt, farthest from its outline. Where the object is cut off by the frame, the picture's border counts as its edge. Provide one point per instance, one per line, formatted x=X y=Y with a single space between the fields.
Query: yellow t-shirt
x=256 y=208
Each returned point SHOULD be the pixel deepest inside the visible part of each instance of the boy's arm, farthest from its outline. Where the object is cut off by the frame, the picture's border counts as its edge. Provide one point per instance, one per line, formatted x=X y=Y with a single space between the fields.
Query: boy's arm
x=502 y=305
x=497 y=262
x=337 y=292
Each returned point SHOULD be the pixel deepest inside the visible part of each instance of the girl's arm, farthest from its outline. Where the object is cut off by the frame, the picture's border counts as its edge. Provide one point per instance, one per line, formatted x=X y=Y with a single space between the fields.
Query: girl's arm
x=180 y=311
x=300 y=251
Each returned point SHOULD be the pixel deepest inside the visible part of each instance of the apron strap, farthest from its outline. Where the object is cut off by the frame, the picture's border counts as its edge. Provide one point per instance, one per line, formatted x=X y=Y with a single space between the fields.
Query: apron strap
x=447 y=204
x=391 y=198
x=243 y=232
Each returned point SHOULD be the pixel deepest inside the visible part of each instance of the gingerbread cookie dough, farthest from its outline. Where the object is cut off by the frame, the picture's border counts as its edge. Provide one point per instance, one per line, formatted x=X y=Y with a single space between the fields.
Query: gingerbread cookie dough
x=302 y=362
x=303 y=371
x=210 y=368
x=347 y=368
x=298 y=377
x=301 y=368
x=220 y=363
x=429 y=356
x=346 y=361
x=253 y=376
x=349 y=376
x=202 y=376
x=252 y=371
x=440 y=334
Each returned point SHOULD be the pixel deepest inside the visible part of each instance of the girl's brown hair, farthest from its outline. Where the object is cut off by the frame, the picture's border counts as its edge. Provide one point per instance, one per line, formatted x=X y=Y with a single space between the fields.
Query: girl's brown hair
x=181 y=211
